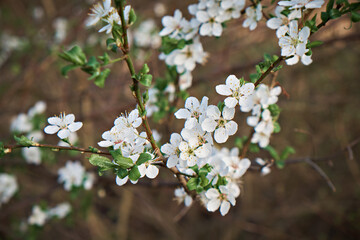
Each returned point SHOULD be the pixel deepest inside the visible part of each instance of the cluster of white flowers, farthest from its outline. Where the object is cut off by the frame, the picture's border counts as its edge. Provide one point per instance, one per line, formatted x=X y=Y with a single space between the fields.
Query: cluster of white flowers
x=125 y=136
x=74 y=175
x=261 y=118
x=108 y=14
x=24 y=124
x=39 y=216
x=194 y=146
x=8 y=187
x=292 y=40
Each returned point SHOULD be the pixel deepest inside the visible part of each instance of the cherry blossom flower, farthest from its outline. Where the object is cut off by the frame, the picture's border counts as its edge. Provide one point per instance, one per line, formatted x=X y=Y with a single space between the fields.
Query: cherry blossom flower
x=254 y=15
x=74 y=175
x=308 y=4
x=211 y=20
x=295 y=43
x=114 y=18
x=182 y=196
x=222 y=126
x=232 y=8
x=60 y=211
x=171 y=24
x=22 y=124
x=8 y=187
x=148 y=170
x=171 y=150
x=99 y=11
x=281 y=21
x=237 y=93
x=38 y=216
x=63 y=125
x=265 y=169
x=193 y=112
x=220 y=198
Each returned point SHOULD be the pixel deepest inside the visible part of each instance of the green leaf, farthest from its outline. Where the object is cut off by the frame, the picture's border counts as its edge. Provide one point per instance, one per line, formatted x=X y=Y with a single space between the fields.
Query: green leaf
x=272 y=152
x=67 y=68
x=192 y=184
x=254 y=148
x=123 y=162
x=105 y=58
x=274 y=110
x=24 y=141
x=221 y=106
x=2 y=149
x=121 y=173
x=286 y=152
x=146 y=80
x=132 y=16
x=100 y=161
x=330 y=5
x=277 y=127
x=145 y=69
x=334 y=13
x=314 y=44
x=134 y=173
x=100 y=80
x=143 y=158
x=355 y=17
x=325 y=16
x=74 y=55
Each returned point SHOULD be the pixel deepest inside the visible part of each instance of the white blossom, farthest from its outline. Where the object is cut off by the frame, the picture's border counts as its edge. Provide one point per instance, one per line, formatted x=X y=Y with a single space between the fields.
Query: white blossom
x=211 y=20
x=193 y=112
x=38 y=216
x=265 y=169
x=220 y=124
x=308 y=4
x=254 y=15
x=222 y=197
x=171 y=24
x=171 y=150
x=281 y=21
x=60 y=211
x=8 y=187
x=73 y=175
x=182 y=196
x=99 y=11
x=63 y=125
x=22 y=124
x=237 y=93
x=295 y=43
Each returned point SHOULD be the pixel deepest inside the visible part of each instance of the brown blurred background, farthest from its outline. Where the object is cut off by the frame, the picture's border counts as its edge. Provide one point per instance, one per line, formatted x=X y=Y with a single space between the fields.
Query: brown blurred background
x=320 y=117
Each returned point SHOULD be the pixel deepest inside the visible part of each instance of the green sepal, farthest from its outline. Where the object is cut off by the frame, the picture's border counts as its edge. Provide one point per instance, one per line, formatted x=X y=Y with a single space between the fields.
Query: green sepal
x=134 y=173
x=122 y=161
x=24 y=141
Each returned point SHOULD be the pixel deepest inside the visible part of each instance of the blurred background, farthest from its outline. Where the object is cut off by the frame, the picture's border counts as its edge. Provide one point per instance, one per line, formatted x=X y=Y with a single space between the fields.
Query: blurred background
x=320 y=118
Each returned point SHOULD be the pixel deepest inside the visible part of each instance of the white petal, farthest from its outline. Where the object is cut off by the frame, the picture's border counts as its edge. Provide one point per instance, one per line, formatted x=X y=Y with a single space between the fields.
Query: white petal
x=209 y=125
x=231 y=102
x=212 y=193
x=228 y=113
x=231 y=128
x=217 y=29
x=152 y=172
x=233 y=82
x=54 y=120
x=274 y=23
x=73 y=127
x=105 y=144
x=69 y=118
x=192 y=103
x=63 y=133
x=224 y=208
x=213 y=205
x=213 y=112
x=182 y=114
x=223 y=89
x=51 y=129
x=221 y=135
x=121 y=181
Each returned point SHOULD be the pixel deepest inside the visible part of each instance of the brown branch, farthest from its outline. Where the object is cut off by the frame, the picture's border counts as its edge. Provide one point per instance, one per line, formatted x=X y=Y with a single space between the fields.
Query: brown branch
x=322 y=173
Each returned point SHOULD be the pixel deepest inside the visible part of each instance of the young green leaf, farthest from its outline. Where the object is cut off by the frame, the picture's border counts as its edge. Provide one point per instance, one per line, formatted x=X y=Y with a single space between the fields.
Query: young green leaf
x=24 y=141
x=192 y=183
x=134 y=173
x=143 y=158
x=122 y=161
x=100 y=161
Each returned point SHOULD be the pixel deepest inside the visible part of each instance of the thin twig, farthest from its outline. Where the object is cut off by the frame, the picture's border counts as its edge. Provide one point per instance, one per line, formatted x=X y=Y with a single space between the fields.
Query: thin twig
x=322 y=173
